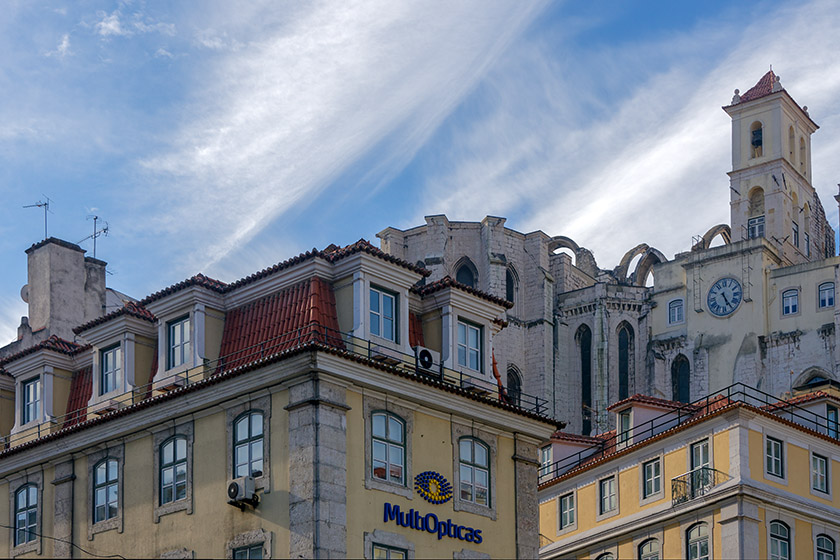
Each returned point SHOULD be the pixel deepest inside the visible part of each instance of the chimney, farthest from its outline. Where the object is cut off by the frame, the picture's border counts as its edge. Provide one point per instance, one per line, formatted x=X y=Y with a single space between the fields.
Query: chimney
x=64 y=288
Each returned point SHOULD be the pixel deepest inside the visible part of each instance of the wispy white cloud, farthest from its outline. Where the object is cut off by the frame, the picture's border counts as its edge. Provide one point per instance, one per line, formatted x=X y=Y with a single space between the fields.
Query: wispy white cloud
x=63 y=48
x=652 y=166
x=284 y=116
x=110 y=25
x=115 y=25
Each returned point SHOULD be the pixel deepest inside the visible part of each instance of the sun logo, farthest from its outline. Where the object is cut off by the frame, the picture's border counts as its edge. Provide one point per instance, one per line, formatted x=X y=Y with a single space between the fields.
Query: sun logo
x=434 y=488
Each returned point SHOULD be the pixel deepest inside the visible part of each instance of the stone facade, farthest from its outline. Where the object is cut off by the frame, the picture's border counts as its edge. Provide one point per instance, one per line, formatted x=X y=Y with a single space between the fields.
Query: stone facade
x=641 y=320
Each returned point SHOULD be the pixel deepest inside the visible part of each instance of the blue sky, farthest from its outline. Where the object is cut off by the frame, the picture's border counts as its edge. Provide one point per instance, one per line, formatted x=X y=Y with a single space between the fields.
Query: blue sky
x=223 y=137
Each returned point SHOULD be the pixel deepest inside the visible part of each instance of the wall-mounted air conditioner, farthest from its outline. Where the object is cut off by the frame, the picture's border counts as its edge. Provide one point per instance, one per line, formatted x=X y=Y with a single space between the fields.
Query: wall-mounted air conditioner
x=427 y=361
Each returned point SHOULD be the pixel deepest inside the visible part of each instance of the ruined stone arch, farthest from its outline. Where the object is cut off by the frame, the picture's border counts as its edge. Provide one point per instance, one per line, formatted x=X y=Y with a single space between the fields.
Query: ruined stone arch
x=584 y=259
x=562 y=242
x=650 y=257
x=722 y=230
x=466 y=272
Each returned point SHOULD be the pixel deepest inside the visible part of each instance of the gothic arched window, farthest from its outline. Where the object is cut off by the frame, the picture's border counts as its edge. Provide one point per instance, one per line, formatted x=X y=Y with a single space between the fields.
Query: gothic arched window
x=625 y=360
x=584 y=342
x=466 y=273
x=680 y=378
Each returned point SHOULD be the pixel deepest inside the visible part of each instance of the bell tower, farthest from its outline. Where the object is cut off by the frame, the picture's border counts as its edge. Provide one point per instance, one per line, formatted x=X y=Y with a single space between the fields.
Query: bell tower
x=771 y=191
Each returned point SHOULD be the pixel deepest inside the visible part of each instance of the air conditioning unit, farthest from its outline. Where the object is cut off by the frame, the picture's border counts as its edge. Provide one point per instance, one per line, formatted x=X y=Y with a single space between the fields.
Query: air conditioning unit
x=427 y=361
x=242 y=490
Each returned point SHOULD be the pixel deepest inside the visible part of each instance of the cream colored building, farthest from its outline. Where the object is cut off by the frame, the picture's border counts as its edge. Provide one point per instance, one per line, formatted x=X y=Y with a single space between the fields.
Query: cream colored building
x=752 y=301
x=324 y=407
x=742 y=475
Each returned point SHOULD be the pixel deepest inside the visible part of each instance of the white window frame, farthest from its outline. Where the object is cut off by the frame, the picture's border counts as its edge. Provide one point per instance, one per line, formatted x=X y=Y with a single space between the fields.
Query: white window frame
x=655 y=494
x=545 y=460
x=755 y=227
x=116 y=352
x=116 y=522
x=790 y=302
x=689 y=542
x=624 y=436
x=826 y=288
x=608 y=497
x=771 y=538
x=468 y=349
x=795 y=231
x=377 y=317
x=25 y=416
x=823 y=554
x=832 y=419
x=779 y=468
x=821 y=481
x=567 y=506
x=15 y=485
x=178 y=354
x=676 y=311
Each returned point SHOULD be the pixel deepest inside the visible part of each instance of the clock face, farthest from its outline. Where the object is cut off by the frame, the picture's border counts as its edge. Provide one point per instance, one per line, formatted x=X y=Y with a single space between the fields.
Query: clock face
x=724 y=297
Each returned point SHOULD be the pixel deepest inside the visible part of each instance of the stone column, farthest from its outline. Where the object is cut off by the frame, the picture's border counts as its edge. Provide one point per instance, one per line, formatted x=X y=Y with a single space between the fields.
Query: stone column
x=527 y=511
x=739 y=529
x=63 y=524
x=317 y=469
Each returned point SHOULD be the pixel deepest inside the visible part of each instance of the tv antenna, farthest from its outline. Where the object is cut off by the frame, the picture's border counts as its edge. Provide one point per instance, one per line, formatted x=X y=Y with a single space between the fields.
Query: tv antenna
x=96 y=233
x=45 y=204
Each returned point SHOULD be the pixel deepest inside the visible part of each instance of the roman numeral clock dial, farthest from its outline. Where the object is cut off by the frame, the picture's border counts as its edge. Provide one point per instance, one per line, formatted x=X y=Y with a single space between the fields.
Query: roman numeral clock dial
x=724 y=297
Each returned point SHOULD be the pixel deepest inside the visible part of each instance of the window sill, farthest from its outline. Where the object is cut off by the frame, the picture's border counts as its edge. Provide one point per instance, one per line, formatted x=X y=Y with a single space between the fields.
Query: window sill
x=390 y=487
x=106 y=525
x=31 y=546
x=184 y=504
x=476 y=509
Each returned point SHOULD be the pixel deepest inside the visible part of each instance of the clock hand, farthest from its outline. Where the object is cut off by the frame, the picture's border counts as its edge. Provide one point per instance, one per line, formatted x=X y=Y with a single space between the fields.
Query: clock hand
x=726 y=299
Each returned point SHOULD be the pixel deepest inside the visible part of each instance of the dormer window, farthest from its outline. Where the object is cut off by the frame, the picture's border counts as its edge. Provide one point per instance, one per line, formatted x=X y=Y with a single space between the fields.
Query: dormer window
x=383 y=310
x=624 y=427
x=469 y=345
x=109 y=369
x=31 y=400
x=178 y=342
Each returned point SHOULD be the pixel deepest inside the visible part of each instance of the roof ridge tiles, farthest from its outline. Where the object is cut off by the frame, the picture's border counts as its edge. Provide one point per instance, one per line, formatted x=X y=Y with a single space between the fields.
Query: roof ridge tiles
x=449 y=282
x=53 y=343
x=132 y=308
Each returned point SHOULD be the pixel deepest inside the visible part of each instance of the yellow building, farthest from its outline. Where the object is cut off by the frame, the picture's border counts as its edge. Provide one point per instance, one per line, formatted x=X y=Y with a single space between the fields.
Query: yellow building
x=737 y=475
x=328 y=406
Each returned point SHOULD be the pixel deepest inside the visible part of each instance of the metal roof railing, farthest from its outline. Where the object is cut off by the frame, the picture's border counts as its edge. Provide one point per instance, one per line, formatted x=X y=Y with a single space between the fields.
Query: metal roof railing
x=790 y=410
x=312 y=334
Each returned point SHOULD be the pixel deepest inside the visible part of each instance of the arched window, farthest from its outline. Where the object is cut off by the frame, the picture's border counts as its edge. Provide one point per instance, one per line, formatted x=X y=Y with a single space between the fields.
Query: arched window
x=388 y=447
x=511 y=284
x=106 y=486
x=625 y=360
x=514 y=385
x=649 y=550
x=606 y=556
x=802 y=167
x=779 y=541
x=825 y=548
x=26 y=514
x=680 y=379
x=173 y=470
x=466 y=273
x=826 y=295
x=474 y=473
x=248 y=445
x=584 y=341
x=791 y=146
x=756 y=139
x=676 y=312
x=698 y=542
x=755 y=224
x=790 y=302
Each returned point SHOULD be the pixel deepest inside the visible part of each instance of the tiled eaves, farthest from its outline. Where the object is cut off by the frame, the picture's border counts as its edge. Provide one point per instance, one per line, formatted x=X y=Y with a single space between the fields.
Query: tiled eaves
x=53 y=343
x=653 y=401
x=714 y=412
x=331 y=254
x=229 y=374
x=130 y=308
x=449 y=282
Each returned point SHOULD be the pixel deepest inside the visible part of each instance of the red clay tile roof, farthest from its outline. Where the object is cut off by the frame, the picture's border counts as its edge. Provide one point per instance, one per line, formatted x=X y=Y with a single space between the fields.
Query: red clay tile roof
x=763 y=88
x=808 y=397
x=415 y=330
x=645 y=399
x=298 y=314
x=197 y=280
x=81 y=388
x=576 y=438
x=330 y=254
x=130 y=308
x=53 y=343
x=448 y=282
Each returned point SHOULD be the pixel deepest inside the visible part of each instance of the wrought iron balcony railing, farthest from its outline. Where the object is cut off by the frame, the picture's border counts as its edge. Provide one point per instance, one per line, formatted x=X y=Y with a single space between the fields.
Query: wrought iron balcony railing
x=694 y=484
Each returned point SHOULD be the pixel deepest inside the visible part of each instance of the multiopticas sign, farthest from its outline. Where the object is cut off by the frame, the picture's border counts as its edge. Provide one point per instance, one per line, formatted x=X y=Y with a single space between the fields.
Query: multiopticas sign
x=431 y=524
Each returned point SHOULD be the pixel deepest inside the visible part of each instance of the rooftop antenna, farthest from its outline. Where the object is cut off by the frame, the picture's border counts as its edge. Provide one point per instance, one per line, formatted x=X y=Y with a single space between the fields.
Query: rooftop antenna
x=46 y=207
x=96 y=233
